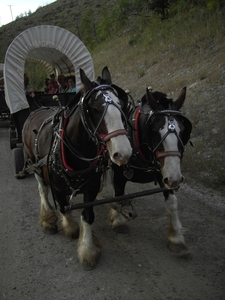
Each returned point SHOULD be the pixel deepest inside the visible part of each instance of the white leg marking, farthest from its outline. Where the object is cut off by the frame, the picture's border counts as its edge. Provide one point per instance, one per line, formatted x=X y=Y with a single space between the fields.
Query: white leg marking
x=89 y=248
x=175 y=234
x=116 y=219
x=69 y=226
x=47 y=218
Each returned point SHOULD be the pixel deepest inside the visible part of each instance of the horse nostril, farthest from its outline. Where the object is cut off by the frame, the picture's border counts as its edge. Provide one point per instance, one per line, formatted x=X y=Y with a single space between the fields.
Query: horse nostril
x=116 y=156
x=165 y=180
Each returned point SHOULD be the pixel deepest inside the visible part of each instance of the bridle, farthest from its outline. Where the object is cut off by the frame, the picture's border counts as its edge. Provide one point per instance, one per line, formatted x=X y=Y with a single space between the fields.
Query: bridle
x=86 y=119
x=171 y=129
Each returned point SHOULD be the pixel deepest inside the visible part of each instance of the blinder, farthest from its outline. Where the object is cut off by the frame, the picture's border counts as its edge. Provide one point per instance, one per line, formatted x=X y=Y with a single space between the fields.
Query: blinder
x=187 y=129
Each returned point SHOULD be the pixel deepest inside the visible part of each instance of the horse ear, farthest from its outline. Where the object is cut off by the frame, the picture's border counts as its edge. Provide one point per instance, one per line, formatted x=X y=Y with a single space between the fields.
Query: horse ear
x=150 y=100
x=180 y=100
x=106 y=75
x=86 y=82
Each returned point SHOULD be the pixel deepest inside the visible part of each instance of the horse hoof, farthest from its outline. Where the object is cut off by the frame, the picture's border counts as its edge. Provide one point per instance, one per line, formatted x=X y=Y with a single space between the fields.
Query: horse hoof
x=87 y=267
x=185 y=254
x=52 y=230
x=122 y=229
x=180 y=249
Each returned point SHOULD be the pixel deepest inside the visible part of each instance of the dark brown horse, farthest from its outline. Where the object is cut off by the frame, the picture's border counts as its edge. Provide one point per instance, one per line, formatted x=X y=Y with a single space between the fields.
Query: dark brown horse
x=69 y=151
x=158 y=136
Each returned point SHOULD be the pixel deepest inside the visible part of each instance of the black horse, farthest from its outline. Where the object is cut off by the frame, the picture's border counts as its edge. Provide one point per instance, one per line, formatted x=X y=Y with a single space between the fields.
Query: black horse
x=69 y=150
x=158 y=136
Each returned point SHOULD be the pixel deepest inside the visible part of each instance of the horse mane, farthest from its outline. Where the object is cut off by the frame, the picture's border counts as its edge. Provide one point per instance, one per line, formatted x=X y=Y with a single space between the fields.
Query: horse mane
x=74 y=101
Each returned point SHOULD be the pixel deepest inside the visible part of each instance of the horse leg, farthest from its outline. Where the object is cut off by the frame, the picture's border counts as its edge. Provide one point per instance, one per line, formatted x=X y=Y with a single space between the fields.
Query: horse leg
x=89 y=247
x=117 y=221
x=69 y=226
x=47 y=217
x=175 y=234
x=67 y=223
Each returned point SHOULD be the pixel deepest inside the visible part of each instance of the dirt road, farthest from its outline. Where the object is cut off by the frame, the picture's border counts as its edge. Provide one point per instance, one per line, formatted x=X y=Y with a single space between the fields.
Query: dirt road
x=137 y=265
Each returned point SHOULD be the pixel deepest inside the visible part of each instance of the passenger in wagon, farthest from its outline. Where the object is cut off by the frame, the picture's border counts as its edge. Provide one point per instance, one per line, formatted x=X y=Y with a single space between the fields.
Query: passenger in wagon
x=71 y=84
x=62 y=83
x=54 y=87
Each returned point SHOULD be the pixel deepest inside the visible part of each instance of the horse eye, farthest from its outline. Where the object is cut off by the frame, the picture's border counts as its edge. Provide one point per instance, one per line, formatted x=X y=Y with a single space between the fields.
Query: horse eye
x=95 y=110
x=155 y=130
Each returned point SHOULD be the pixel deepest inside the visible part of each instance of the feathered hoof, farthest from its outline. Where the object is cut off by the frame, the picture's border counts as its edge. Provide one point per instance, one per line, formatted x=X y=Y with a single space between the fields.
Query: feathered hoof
x=118 y=222
x=89 y=254
x=89 y=259
x=48 y=222
x=89 y=267
x=124 y=229
x=48 y=228
x=69 y=226
x=72 y=233
x=52 y=230
x=180 y=250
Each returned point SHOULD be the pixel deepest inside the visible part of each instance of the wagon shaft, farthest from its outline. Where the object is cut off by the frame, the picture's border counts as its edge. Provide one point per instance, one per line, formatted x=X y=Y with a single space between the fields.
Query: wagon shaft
x=115 y=199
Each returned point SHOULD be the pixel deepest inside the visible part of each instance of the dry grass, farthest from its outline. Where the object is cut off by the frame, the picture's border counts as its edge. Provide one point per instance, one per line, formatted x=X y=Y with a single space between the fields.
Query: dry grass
x=191 y=54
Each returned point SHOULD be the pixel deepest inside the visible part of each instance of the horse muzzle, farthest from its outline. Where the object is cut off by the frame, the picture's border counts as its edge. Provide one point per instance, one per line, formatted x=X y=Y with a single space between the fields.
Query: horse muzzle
x=119 y=150
x=118 y=146
x=120 y=159
x=172 y=183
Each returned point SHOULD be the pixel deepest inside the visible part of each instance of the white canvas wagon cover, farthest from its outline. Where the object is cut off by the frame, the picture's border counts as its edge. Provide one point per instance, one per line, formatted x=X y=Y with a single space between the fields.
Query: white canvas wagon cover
x=57 y=49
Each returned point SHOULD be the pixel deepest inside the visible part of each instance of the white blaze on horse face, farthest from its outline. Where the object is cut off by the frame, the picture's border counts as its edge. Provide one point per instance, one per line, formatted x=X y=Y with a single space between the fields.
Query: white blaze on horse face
x=171 y=170
x=119 y=146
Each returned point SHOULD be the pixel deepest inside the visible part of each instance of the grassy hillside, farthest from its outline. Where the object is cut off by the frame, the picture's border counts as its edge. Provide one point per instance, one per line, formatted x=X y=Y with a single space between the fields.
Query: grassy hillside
x=180 y=53
x=187 y=49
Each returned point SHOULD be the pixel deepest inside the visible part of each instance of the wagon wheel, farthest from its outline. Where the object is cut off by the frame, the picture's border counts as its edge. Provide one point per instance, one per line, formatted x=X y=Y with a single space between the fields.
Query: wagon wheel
x=18 y=161
x=12 y=138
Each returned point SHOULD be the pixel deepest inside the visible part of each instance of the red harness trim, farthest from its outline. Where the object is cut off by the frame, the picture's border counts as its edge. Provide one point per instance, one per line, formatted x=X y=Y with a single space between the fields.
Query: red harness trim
x=136 y=131
x=62 y=147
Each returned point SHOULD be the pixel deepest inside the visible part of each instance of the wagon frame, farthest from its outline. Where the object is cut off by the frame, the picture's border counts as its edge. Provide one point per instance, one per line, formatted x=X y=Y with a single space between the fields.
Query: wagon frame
x=59 y=52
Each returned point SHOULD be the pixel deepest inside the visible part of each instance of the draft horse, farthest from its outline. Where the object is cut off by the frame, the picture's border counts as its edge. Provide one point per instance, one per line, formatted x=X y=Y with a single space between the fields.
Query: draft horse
x=158 y=136
x=69 y=150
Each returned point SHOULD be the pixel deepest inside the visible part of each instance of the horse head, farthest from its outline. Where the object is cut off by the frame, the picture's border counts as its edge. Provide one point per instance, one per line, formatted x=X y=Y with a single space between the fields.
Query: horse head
x=103 y=116
x=167 y=134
